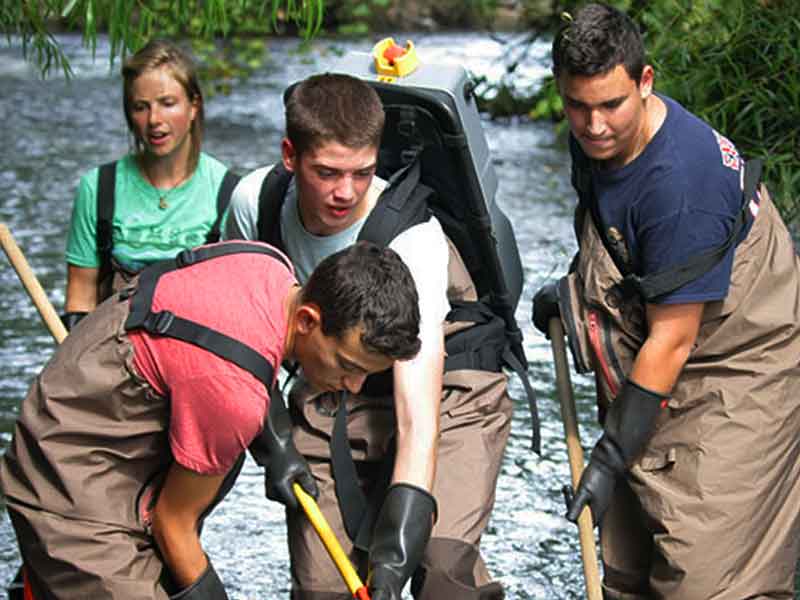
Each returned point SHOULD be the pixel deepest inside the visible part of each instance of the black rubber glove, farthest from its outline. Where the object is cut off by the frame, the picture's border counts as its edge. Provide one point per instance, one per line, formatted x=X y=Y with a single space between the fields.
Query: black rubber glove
x=402 y=531
x=545 y=307
x=70 y=319
x=283 y=464
x=207 y=587
x=629 y=424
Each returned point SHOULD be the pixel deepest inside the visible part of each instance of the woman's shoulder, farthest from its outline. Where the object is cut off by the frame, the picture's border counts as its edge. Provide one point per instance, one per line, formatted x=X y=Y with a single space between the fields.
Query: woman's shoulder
x=211 y=165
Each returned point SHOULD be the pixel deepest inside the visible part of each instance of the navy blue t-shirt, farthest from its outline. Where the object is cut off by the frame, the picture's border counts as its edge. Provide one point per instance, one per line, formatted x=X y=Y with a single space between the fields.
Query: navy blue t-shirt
x=678 y=198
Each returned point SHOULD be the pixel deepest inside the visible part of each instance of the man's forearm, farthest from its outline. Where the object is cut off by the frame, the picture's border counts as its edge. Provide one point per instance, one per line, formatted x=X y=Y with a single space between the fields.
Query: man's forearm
x=181 y=551
x=418 y=391
x=658 y=366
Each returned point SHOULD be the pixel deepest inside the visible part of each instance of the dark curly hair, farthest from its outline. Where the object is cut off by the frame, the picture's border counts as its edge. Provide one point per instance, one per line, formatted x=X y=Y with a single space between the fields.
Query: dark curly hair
x=370 y=286
x=596 y=40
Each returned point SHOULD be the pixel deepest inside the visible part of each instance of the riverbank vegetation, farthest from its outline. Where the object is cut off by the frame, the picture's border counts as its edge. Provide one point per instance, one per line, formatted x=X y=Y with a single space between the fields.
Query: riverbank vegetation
x=735 y=63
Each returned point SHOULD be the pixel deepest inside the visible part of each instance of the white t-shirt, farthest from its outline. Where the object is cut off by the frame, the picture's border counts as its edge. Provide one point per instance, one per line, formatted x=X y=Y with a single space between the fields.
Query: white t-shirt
x=423 y=247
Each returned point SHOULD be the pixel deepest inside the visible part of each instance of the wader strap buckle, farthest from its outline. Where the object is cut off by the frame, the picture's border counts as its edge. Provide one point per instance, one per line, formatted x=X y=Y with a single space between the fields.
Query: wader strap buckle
x=159 y=322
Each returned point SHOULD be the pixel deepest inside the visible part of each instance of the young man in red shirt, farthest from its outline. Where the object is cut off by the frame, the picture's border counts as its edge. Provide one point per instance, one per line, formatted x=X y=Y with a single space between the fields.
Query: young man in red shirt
x=137 y=426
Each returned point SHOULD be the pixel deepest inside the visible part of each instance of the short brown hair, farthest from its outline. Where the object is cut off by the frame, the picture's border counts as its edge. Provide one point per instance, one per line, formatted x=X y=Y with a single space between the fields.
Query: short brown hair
x=333 y=107
x=155 y=54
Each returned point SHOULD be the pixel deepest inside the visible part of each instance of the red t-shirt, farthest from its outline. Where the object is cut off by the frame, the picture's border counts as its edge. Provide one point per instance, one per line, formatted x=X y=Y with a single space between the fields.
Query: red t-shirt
x=216 y=408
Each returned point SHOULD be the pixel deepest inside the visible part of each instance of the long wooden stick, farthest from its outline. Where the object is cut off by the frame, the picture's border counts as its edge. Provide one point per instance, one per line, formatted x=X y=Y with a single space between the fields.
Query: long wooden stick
x=331 y=544
x=566 y=399
x=32 y=285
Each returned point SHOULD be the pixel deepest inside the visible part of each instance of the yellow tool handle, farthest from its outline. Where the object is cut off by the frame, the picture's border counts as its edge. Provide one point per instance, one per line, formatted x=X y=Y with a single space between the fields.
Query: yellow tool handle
x=332 y=545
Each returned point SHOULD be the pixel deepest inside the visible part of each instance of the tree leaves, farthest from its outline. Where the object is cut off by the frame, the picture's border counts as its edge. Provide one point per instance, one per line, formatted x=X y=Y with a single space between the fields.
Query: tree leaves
x=131 y=23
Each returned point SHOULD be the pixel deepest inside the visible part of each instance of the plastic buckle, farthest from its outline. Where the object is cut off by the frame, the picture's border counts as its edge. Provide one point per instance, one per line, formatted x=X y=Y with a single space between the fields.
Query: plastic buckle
x=160 y=322
x=185 y=258
x=406 y=127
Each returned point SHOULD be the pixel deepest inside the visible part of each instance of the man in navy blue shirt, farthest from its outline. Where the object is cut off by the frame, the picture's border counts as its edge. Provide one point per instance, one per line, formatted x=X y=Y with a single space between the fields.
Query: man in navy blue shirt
x=684 y=300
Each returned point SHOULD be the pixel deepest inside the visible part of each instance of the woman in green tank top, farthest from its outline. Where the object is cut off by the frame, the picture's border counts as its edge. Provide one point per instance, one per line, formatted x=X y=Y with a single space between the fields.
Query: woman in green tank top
x=157 y=200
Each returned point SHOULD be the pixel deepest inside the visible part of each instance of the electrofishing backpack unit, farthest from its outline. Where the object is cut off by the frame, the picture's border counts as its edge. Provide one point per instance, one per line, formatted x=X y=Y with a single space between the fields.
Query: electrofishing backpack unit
x=436 y=161
x=432 y=117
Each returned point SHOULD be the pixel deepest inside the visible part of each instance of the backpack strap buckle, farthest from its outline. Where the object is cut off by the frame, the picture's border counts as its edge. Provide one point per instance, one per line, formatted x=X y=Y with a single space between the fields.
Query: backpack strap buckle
x=185 y=258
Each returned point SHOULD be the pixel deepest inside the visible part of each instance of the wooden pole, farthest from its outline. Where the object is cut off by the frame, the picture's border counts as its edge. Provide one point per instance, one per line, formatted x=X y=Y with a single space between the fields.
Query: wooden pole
x=566 y=399
x=331 y=544
x=32 y=285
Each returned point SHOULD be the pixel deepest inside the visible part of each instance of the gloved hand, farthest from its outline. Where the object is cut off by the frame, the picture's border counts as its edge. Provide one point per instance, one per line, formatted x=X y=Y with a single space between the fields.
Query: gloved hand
x=274 y=449
x=70 y=319
x=597 y=482
x=402 y=531
x=545 y=307
x=629 y=424
x=207 y=587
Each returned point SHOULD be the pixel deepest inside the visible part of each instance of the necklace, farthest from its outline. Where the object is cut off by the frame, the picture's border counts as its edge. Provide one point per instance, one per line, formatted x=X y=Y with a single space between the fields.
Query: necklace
x=163 y=194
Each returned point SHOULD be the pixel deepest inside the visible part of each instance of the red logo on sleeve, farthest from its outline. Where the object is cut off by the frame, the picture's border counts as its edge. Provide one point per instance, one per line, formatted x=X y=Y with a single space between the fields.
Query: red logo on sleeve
x=730 y=157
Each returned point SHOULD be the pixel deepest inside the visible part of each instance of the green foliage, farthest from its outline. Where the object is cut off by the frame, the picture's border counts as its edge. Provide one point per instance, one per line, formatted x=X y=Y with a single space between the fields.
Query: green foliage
x=736 y=64
x=130 y=24
x=223 y=63
x=360 y=17
x=547 y=102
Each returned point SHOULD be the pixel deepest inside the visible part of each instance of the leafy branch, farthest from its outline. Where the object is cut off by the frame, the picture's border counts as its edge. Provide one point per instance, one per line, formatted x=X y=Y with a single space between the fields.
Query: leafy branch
x=131 y=23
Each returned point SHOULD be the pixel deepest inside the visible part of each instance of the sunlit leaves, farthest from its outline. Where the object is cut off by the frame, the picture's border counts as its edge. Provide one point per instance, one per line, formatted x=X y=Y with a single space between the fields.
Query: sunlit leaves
x=130 y=23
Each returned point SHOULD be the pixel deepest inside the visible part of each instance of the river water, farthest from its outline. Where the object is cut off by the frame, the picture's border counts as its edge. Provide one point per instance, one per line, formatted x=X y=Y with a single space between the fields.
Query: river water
x=54 y=130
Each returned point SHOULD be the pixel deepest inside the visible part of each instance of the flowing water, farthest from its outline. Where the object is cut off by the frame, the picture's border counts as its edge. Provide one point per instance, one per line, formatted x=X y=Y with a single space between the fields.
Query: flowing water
x=55 y=130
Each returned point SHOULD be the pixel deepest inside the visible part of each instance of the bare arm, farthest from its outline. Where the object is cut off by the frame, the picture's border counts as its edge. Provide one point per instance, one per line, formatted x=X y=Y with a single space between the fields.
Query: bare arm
x=673 y=331
x=81 y=289
x=418 y=382
x=182 y=500
x=418 y=391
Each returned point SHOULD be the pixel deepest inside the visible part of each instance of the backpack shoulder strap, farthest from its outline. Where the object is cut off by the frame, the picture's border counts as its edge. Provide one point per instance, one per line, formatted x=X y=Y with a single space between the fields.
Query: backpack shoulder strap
x=403 y=204
x=106 y=182
x=224 y=192
x=270 y=201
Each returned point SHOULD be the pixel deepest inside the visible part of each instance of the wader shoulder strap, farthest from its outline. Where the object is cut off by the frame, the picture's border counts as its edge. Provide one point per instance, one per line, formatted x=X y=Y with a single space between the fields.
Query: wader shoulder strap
x=358 y=512
x=270 y=201
x=588 y=205
x=403 y=204
x=224 y=192
x=651 y=287
x=663 y=282
x=166 y=323
x=106 y=182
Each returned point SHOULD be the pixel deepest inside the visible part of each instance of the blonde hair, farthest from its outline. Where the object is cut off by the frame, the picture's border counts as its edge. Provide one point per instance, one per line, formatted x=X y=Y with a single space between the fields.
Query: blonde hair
x=158 y=53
